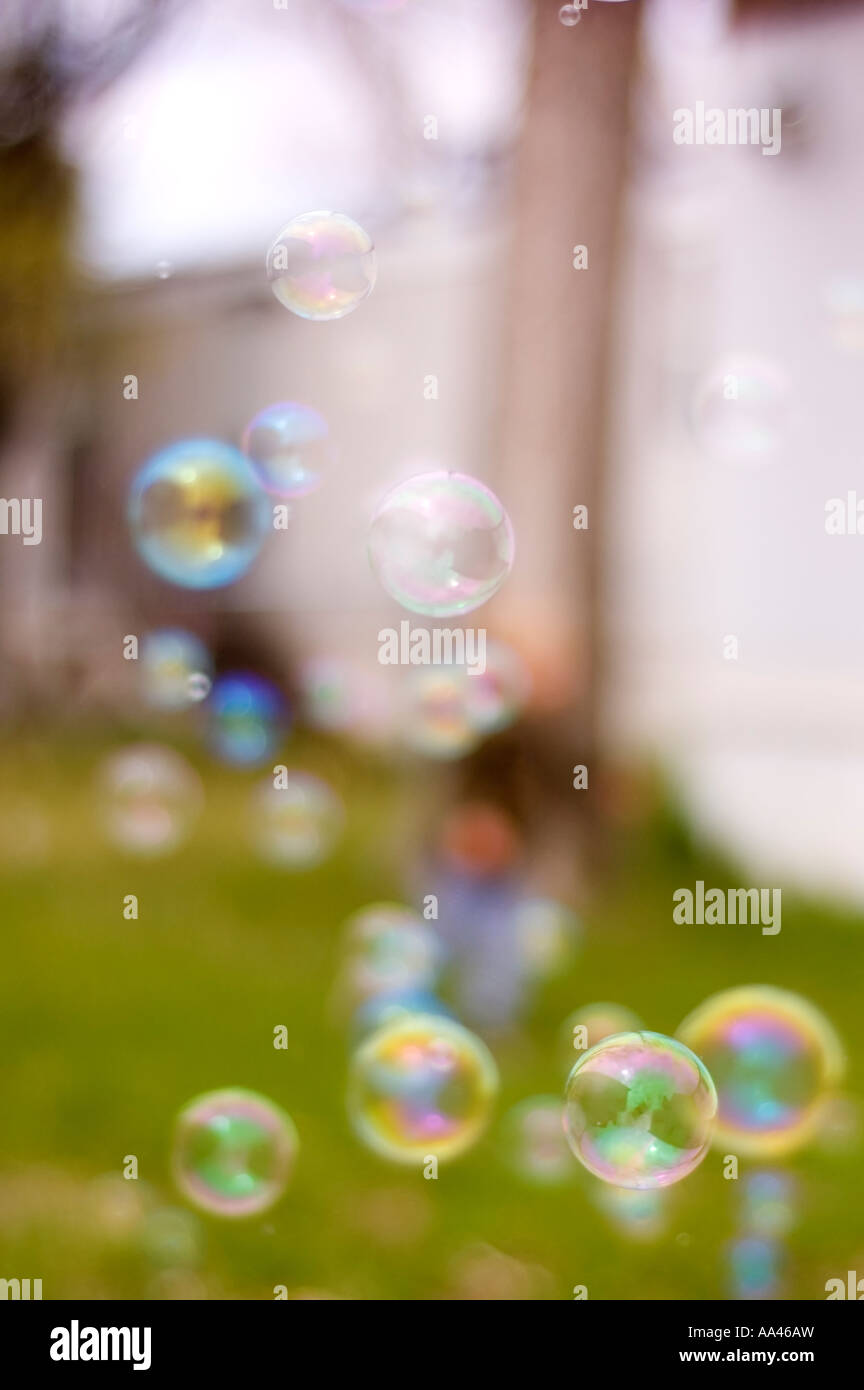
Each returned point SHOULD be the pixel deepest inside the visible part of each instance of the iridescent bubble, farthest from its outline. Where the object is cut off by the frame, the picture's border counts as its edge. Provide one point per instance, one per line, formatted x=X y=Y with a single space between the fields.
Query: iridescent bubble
x=288 y=446
x=246 y=719
x=533 y=1143
x=754 y=1268
x=296 y=820
x=390 y=947
x=638 y=1214
x=321 y=265
x=548 y=933
x=495 y=697
x=172 y=663
x=639 y=1110
x=198 y=687
x=198 y=514
x=769 y=1203
x=441 y=544
x=773 y=1056
x=149 y=797
x=740 y=411
x=421 y=1086
x=588 y=1026
x=435 y=717
x=234 y=1152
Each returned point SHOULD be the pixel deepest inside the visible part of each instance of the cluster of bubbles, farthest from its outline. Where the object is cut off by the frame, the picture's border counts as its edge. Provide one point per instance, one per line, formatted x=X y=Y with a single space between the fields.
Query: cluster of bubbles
x=296 y=820
x=234 y=1152
x=176 y=669
x=639 y=1110
x=441 y=544
x=773 y=1057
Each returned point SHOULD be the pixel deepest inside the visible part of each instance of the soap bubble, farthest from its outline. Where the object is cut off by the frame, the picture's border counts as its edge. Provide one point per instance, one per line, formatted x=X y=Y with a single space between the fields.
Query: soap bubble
x=421 y=1086
x=740 y=411
x=588 y=1026
x=773 y=1057
x=638 y=1214
x=390 y=947
x=380 y=1009
x=548 y=934
x=495 y=697
x=288 y=446
x=441 y=544
x=769 y=1203
x=569 y=15
x=246 y=718
x=198 y=514
x=173 y=663
x=321 y=265
x=533 y=1142
x=639 y=1110
x=150 y=797
x=754 y=1268
x=297 y=822
x=233 y=1152
x=435 y=717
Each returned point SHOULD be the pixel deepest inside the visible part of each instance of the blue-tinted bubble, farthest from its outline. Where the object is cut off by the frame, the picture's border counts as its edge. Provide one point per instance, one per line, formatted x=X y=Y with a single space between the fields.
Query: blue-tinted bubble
x=288 y=445
x=246 y=719
x=175 y=668
x=198 y=514
x=381 y=1009
x=754 y=1268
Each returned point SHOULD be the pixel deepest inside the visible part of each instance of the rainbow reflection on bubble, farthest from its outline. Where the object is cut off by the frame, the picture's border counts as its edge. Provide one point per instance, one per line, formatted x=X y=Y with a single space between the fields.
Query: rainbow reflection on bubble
x=175 y=668
x=773 y=1056
x=421 y=1086
x=233 y=1152
x=321 y=265
x=198 y=514
x=287 y=445
x=441 y=543
x=296 y=821
x=149 y=797
x=740 y=411
x=639 y=1110
x=246 y=718
x=533 y=1144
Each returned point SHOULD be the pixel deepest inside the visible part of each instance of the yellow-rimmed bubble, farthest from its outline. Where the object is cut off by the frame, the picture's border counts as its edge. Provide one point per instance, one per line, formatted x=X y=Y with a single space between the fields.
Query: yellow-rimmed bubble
x=773 y=1057
x=322 y=265
x=421 y=1087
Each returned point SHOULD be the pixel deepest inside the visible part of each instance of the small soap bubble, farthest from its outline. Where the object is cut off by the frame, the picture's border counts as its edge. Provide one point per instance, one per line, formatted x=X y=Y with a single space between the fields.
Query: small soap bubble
x=198 y=687
x=388 y=948
x=754 y=1268
x=198 y=514
x=321 y=265
x=288 y=445
x=297 y=823
x=639 y=1110
x=164 y=269
x=769 y=1203
x=246 y=719
x=496 y=696
x=421 y=1086
x=435 y=719
x=569 y=15
x=149 y=797
x=234 y=1152
x=773 y=1057
x=441 y=544
x=381 y=1009
x=740 y=411
x=170 y=661
x=533 y=1142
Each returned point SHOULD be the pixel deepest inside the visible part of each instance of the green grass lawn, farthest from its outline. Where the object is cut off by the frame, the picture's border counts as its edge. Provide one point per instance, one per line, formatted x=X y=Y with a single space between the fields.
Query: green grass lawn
x=108 y=1026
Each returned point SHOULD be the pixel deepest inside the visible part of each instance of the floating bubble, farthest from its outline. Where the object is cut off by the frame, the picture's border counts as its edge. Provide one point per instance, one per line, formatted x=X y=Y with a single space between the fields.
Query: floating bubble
x=769 y=1203
x=441 y=544
x=321 y=265
x=773 y=1057
x=297 y=821
x=435 y=718
x=569 y=15
x=421 y=1086
x=639 y=1110
x=174 y=665
x=533 y=1143
x=390 y=947
x=233 y=1152
x=588 y=1026
x=495 y=697
x=149 y=796
x=754 y=1268
x=288 y=446
x=380 y=1009
x=246 y=719
x=548 y=934
x=198 y=514
x=740 y=411
x=638 y=1214
x=198 y=687
x=164 y=269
